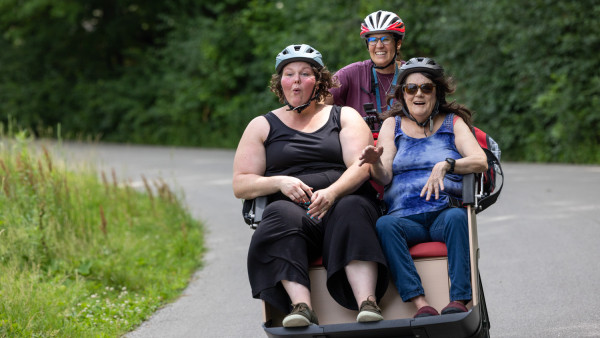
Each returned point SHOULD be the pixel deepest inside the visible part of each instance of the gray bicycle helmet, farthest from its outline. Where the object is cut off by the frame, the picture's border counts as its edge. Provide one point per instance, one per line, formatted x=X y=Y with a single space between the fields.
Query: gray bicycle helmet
x=301 y=52
x=382 y=22
x=420 y=65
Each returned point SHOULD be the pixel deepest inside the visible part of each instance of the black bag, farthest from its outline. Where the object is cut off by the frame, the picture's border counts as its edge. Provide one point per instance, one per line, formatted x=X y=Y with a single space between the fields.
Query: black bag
x=252 y=210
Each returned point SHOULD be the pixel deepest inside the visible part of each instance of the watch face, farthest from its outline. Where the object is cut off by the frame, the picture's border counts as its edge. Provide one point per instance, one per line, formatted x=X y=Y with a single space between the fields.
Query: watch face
x=451 y=161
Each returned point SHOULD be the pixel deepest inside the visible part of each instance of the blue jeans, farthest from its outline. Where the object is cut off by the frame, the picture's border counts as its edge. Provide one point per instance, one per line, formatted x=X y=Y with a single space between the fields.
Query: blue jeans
x=398 y=234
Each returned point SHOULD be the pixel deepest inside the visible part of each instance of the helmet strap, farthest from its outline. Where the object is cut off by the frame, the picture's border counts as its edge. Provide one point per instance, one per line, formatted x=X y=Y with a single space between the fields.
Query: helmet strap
x=389 y=64
x=301 y=107
x=428 y=120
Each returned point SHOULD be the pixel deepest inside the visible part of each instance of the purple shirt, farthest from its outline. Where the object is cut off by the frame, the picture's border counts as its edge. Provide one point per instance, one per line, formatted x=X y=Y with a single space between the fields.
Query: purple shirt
x=355 y=86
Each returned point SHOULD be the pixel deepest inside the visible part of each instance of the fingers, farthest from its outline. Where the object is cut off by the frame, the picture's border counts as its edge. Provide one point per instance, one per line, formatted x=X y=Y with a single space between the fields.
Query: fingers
x=370 y=155
x=428 y=189
x=301 y=195
x=296 y=190
x=308 y=191
x=433 y=186
x=319 y=205
x=299 y=198
x=316 y=214
x=363 y=155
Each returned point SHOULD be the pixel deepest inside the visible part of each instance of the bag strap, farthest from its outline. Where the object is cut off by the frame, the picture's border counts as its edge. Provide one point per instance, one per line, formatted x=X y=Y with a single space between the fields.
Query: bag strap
x=494 y=163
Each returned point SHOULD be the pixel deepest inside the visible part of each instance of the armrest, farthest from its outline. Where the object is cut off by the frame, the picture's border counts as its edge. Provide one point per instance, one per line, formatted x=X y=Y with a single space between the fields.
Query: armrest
x=252 y=210
x=468 y=194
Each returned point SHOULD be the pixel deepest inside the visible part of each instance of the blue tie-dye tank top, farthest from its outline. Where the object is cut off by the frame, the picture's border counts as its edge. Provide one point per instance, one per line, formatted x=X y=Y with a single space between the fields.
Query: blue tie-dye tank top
x=412 y=167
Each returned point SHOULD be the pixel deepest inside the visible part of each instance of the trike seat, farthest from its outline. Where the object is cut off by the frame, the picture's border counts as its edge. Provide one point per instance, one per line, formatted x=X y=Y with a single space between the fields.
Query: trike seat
x=421 y=250
x=431 y=263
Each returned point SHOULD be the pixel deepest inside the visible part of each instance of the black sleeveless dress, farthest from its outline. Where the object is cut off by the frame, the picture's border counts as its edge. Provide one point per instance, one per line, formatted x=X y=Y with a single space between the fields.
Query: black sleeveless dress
x=287 y=240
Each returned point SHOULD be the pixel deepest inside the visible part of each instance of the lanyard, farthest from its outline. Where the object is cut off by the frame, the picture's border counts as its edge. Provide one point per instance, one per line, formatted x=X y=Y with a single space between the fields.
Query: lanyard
x=377 y=96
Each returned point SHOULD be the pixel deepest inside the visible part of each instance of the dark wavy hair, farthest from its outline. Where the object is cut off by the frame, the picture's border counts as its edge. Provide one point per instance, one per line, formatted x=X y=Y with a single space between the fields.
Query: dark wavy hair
x=324 y=82
x=444 y=86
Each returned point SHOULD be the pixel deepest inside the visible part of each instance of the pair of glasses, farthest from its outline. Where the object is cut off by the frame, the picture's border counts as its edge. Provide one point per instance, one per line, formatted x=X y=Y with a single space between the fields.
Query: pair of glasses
x=372 y=41
x=412 y=88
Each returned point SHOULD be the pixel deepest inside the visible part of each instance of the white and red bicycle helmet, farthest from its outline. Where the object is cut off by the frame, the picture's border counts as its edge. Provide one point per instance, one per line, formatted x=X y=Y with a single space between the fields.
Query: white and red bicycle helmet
x=382 y=22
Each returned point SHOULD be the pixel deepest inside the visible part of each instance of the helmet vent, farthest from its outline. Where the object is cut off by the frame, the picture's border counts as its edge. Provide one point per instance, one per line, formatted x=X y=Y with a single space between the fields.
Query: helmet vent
x=385 y=18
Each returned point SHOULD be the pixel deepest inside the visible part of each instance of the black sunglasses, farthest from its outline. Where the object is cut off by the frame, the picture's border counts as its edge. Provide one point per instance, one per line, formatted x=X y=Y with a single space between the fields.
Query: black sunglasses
x=412 y=88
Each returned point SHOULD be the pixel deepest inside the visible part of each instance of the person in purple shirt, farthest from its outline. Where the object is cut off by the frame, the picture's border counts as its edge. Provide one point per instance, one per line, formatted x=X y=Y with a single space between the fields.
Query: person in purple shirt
x=369 y=81
x=424 y=147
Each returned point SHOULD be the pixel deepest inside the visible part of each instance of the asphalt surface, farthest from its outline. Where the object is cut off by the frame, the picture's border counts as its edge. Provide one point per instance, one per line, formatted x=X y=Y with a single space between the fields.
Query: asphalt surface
x=540 y=245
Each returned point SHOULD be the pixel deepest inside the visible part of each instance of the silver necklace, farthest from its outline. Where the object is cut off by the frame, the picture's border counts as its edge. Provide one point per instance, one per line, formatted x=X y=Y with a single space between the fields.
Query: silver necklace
x=389 y=85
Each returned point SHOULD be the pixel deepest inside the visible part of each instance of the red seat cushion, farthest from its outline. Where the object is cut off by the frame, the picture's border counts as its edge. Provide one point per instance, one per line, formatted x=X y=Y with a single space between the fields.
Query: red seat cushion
x=317 y=262
x=429 y=249
x=422 y=250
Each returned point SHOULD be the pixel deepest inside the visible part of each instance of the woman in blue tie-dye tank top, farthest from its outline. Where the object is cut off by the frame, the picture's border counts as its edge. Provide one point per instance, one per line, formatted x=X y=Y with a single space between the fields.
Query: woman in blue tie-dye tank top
x=425 y=146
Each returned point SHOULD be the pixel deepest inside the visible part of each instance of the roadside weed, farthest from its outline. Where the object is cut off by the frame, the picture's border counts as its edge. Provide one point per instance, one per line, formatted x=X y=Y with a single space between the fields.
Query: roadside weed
x=82 y=254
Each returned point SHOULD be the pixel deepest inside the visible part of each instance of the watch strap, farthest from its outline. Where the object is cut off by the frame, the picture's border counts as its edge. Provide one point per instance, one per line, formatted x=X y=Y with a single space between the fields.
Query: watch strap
x=452 y=162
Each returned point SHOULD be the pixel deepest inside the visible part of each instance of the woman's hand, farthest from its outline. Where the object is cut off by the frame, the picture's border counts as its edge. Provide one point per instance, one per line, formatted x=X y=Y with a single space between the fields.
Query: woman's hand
x=370 y=154
x=435 y=183
x=320 y=203
x=295 y=189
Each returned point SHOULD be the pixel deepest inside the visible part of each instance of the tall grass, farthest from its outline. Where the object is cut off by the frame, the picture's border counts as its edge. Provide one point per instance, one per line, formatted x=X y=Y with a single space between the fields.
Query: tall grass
x=82 y=254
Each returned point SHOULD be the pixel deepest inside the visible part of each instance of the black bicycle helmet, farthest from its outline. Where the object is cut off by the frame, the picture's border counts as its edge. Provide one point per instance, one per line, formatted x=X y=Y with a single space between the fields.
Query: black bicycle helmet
x=419 y=65
x=422 y=65
x=299 y=52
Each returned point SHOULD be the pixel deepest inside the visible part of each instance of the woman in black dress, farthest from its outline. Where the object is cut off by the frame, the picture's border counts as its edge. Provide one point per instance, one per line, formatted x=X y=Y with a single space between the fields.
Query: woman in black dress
x=304 y=156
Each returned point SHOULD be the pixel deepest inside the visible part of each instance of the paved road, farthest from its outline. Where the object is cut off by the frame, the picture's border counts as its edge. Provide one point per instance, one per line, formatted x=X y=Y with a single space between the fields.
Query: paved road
x=540 y=246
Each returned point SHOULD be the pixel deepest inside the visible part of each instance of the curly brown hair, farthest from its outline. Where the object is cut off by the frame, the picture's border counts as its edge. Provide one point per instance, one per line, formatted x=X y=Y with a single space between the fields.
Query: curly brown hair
x=444 y=86
x=325 y=81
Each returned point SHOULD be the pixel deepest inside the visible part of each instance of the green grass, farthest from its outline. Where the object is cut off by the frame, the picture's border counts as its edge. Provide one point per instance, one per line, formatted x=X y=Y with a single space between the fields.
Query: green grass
x=82 y=256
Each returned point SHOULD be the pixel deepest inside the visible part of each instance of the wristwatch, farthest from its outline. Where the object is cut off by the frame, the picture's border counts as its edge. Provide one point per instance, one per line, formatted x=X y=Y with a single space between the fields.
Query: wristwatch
x=452 y=162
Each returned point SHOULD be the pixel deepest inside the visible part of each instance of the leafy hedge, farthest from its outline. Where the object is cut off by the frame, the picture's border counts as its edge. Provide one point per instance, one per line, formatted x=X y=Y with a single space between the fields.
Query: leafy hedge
x=194 y=73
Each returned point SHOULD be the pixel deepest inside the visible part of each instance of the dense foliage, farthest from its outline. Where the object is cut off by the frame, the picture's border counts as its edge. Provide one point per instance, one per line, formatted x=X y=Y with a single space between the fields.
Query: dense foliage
x=195 y=72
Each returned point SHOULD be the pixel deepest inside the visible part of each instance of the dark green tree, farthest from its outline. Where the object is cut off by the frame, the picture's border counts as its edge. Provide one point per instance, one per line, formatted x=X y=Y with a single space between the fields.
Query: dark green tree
x=194 y=73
